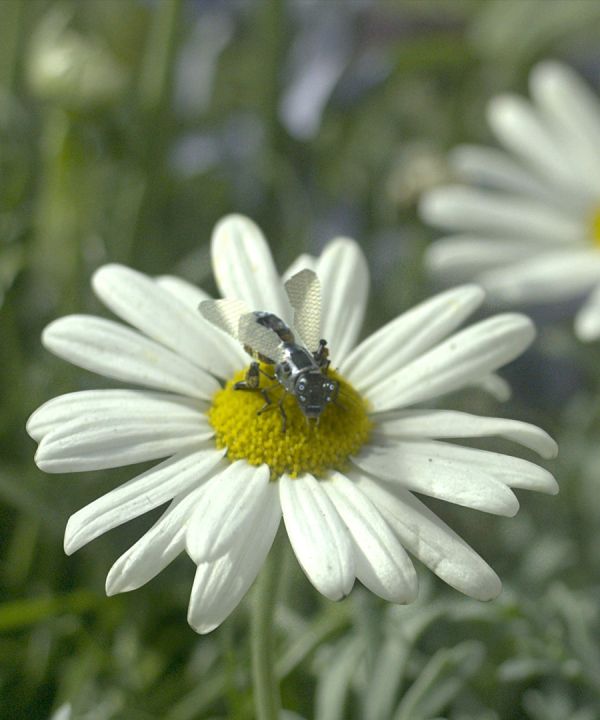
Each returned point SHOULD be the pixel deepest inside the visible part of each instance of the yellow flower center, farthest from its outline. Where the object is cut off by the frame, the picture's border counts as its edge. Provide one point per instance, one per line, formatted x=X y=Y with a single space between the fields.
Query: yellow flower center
x=595 y=228
x=342 y=429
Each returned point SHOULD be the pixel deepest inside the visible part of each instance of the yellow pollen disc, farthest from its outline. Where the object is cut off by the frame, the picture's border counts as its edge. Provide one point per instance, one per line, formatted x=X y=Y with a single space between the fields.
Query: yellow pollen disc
x=343 y=428
x=595 y=228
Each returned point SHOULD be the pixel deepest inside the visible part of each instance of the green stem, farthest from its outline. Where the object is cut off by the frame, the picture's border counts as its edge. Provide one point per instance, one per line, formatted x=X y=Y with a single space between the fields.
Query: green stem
x=266 y=688
x=157 y=65
x=10 y=31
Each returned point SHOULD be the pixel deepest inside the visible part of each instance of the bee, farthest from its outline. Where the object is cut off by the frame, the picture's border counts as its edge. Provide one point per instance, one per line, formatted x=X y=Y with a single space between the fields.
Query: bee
x=300 y=368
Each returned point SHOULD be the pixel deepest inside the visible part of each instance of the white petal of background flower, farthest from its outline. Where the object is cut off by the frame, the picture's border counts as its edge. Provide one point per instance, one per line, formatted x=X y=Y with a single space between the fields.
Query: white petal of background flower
x=462 y=358
x=154 y=311
x=587 y=321
x=179 y=474
x=318 y=536
x=234 y=500
x=344 y=276
x=115 y=351
x=244 y=268
x=521 y=130
x=574 y=114
x=453 y=424
x=431 y=540
x=459 y=257
x=394 y=345
x=434 y=471
x=382 y=564
x=220 y=585
x=551 y=276
x=106 y=405
x=471 y=210
x=494 y=168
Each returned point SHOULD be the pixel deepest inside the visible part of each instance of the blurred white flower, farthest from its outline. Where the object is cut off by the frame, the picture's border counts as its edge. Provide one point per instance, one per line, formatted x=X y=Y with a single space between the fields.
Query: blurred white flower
x=345 y=488
x=531 y=232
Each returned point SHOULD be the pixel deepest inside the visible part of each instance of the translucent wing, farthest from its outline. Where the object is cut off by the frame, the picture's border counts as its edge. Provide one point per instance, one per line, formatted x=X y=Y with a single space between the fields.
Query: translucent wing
x=225 y=314
x=304 y=291
x=260 y=338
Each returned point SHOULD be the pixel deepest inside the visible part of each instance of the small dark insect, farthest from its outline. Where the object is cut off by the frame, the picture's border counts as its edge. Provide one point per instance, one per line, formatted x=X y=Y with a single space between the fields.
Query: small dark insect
x=300 y=369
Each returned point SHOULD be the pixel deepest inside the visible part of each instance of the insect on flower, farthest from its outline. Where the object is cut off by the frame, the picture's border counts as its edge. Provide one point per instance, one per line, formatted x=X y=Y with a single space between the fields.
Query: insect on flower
x=300 y=369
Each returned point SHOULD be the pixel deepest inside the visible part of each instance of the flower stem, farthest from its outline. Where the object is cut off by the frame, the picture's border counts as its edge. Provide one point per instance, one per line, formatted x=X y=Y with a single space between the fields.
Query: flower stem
x=264 y=680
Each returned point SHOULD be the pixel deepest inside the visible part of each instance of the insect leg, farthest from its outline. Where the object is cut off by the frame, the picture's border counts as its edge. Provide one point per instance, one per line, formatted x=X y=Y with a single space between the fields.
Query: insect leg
x=268 y=402
x=321 y=355
x=252 y=380
x=269 y=405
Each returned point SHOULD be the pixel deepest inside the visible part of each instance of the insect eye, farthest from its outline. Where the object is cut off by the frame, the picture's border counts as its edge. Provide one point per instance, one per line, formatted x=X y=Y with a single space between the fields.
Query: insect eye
x=302 y=387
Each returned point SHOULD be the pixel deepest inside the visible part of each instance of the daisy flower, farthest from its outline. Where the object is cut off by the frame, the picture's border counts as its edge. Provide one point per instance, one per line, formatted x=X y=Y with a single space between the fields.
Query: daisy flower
x=526 y=225
x=346 y=487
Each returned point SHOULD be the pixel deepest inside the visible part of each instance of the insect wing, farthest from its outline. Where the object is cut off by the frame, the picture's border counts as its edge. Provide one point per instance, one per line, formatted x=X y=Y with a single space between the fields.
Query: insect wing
x=260 y=338
x=304 y=292
x=225 y=314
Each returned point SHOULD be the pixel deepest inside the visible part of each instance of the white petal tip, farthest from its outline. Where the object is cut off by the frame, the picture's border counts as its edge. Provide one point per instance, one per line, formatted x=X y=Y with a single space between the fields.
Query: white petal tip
x=113 y=587
x=501 y=109
x=117 y=581
x=202 y=628
x=233 y=222
x=549 y=74
x=489 y=593
x=551 y=487
x=587 y=326
x=549 y=450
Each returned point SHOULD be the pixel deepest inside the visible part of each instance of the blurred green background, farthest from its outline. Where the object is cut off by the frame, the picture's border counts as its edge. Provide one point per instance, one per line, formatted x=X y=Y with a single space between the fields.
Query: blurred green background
x=127 y=129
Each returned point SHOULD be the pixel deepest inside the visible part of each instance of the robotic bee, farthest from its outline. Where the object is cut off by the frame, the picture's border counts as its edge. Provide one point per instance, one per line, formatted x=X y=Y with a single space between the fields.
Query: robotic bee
x=300 y=369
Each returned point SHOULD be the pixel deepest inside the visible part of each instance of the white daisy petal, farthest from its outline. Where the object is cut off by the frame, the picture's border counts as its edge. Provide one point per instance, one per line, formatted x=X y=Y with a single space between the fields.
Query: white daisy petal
x=105 y=405
x=220 y=585
x=456 y=258
x=319 y=537
x=451 y=424
x=192 y=296
x=382 y=564
x=244 y=268
x=496 y=386
x=141 y=302
x=89 y=444
x=431 y=540
x=587 y=321
x=112 y=350
x=344 y=276
x=514 y=472
x=233 y=501
x=471 y=210
x=574 y=112
x=155 y=549
x=187 y=293
x=460 y=360
x=520 y=129
x=551 y=276
x=143 y=493
x=408 y=336
x=434 y=469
